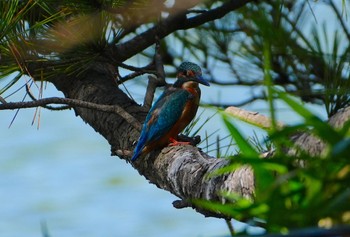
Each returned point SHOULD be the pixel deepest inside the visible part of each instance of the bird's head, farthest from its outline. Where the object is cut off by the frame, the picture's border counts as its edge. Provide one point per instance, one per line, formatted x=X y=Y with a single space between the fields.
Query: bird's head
x=190 y=72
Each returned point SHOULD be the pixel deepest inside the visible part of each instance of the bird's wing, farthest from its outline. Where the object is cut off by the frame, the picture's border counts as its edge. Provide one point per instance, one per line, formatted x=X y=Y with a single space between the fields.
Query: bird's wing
x=165 y=113
x=161 y=117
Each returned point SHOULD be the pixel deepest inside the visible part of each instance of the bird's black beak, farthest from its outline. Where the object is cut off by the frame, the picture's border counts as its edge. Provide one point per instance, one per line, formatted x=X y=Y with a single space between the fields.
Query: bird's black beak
x=201 y=80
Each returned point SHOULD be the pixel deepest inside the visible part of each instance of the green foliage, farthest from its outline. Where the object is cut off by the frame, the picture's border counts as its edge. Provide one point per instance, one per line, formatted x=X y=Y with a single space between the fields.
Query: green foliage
x=308 y=58
x=293 y=189
x=63 y=37
x=261 y=44
x=71 y=35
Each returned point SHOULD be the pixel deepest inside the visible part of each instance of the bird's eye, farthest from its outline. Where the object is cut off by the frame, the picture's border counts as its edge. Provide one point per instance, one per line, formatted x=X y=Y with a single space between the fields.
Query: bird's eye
x=189 y=73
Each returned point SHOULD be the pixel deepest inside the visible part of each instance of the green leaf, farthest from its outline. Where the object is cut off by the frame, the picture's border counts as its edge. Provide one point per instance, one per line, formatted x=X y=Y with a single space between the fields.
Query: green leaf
x=245 y=147
x=321 y=128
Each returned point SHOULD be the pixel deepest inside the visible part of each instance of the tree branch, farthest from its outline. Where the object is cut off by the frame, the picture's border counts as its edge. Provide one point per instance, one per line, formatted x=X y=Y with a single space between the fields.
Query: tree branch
x=184 y=171
x=151 y=89
x=73 y=102
x=173 y=23
x=138 y=71
x=154 y=82
x=187 y=172
x=313 y=145
x=2 y=100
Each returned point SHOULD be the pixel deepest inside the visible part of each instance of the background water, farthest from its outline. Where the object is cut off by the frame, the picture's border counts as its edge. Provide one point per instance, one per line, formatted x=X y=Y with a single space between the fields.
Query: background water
x=62 y=174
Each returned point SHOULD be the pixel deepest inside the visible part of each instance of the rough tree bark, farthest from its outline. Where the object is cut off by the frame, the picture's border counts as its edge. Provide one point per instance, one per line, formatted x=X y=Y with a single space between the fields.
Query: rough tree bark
x=181 y=170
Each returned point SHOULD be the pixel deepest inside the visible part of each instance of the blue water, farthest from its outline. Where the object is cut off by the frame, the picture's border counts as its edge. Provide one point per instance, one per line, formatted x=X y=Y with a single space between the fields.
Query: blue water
x=62 y=174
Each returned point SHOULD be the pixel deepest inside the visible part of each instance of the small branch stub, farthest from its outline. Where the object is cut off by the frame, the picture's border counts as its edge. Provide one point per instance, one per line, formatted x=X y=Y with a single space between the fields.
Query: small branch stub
x=253 y=118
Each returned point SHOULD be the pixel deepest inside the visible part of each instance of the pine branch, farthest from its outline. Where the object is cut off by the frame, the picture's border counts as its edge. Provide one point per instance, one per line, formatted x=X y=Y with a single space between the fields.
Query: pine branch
x=138 y=71
x=173 y=23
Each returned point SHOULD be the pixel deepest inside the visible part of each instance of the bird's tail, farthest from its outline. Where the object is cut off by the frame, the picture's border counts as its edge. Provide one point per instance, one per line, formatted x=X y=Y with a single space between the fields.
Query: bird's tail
x=137 y=152
x=139 y=147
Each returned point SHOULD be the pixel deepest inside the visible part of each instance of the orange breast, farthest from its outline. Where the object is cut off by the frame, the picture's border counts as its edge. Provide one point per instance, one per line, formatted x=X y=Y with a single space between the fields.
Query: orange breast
x=188 y=113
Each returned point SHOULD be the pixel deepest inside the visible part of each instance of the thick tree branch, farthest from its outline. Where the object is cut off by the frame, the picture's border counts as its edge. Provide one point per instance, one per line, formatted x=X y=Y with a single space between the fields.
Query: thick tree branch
x=184 y=171
x=187 y=172
x=313 y=145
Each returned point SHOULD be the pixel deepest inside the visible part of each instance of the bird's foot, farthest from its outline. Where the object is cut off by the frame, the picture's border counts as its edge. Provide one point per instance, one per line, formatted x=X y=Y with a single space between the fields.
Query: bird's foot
x=174 y=142
x=193 y=140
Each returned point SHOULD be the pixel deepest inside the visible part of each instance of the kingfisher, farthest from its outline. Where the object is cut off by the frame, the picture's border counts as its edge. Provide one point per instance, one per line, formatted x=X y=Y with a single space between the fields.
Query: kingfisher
x=172 y=111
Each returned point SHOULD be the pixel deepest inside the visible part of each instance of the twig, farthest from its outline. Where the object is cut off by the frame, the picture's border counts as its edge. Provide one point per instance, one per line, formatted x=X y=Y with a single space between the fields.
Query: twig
x=44 y=229
x=29 y=92
x=159 y=63
x=154 y=82
x=230 y=227
x=198 y=11
x=151 y=89
x=138 y=71
x=132 y=76
x=77 y=103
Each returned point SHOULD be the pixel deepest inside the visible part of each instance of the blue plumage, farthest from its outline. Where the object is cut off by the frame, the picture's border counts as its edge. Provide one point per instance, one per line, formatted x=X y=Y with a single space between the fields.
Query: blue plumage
x=164 y=112
x=172 y=111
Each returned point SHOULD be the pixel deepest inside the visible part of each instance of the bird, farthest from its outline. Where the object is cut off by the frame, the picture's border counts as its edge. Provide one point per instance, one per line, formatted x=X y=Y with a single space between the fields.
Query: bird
x=172 y=112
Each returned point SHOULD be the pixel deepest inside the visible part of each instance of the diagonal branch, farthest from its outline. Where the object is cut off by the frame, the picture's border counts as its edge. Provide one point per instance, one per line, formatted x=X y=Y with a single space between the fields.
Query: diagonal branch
x=179 y=22
x=185 y=171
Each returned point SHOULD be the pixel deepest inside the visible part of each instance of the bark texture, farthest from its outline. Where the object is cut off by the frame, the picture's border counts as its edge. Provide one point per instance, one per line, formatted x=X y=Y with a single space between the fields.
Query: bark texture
x=183 y=170
x=313 y=145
